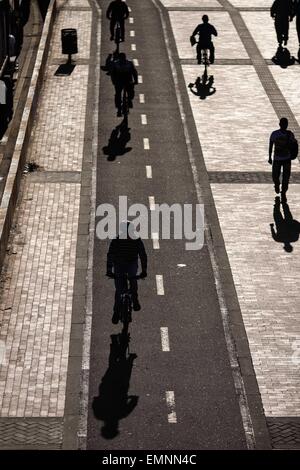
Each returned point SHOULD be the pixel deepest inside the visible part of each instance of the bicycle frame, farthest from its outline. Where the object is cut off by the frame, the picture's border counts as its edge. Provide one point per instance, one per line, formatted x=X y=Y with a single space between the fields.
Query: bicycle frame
x=118 y=36
x=125 y=107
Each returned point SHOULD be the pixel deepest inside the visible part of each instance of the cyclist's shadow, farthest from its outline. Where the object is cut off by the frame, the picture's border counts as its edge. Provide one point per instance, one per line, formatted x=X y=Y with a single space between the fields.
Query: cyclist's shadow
x=117 y=142
x=203 y=87
x=113 y=402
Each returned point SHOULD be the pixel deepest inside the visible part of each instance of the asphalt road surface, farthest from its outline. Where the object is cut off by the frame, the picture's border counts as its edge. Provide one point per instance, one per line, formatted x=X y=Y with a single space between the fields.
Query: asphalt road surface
x=174 y=389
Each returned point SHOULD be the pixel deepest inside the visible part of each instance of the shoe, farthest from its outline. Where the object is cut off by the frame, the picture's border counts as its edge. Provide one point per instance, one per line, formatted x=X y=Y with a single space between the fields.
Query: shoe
x=115 y=318
x=277 y=189
x=119 y=113
x=283 y=197
x=136 y=305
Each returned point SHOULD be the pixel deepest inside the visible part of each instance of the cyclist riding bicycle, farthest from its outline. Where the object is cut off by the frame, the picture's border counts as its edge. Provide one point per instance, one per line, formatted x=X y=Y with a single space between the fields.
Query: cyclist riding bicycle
x=124 y=76
x=205 y=31
x=122 y=260
x=117 y=11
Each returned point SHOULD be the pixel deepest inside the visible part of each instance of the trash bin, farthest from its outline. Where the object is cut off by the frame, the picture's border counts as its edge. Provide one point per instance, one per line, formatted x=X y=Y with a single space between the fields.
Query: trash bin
x=69 y=41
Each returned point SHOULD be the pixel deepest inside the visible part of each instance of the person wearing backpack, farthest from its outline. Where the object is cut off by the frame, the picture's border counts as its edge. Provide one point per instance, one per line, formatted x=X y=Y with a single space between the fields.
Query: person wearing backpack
x=286 y=149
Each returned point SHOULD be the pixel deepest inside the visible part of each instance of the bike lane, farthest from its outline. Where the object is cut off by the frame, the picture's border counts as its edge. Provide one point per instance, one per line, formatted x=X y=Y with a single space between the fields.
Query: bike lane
x=176 y=390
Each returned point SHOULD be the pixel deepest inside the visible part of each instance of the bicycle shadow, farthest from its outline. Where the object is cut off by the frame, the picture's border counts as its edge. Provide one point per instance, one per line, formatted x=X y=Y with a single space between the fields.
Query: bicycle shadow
x=113 y=402
x=287 y=228
x=203 y=87
x=118 y=141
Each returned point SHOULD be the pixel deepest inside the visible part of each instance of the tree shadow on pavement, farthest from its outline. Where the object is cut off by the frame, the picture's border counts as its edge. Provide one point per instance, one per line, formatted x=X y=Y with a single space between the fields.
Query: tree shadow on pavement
x=117 y=142
x=287 y=228
x=203 y=87
x=113 y=402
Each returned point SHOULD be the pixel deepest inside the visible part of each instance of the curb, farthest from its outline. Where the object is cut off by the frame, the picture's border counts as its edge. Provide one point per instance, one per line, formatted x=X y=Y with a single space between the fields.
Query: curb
x=12 y=184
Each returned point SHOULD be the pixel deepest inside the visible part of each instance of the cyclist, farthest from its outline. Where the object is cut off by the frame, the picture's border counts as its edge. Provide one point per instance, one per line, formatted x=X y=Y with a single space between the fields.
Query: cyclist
x=205 y=31
x=282 y=12
x=122 y=259
x=124 y=76
x=117 y=11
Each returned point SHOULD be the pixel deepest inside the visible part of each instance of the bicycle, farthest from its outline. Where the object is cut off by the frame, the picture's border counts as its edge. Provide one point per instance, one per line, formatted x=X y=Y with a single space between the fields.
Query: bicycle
x=117 y=36
x=204 y=56
x=126 y=303
x=125 y=102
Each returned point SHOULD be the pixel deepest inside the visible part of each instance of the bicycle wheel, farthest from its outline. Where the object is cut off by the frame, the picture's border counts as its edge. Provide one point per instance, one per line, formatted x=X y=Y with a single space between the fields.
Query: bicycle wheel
x=118 y=34
x=125 y=108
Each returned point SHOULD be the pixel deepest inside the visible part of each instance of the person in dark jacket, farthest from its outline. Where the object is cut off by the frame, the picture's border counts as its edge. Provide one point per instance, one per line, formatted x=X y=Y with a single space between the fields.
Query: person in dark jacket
x=205 y=31
x=123 y=75
x=282 y=12
x=117 y=11
x=122 y=259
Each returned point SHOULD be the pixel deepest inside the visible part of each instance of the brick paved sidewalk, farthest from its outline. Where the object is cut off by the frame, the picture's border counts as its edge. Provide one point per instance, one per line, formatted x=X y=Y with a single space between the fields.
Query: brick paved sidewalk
x=38 y=276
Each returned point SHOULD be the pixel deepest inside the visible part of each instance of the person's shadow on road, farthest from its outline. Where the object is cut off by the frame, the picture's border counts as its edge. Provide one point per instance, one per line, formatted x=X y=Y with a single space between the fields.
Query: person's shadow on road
x=117 y=142
x=283 y=57
x=287 y=228
x=113 y=402
x=203 y=87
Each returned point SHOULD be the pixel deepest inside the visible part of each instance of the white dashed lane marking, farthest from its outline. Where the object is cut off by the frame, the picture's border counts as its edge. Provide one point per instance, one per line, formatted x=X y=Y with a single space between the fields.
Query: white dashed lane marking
x=131 y=20
x=155 y=241
x=133 y=47
x=140 y=78
x=144 y=119
x=142 y=98
x=149 y=171
x=165 y=343
x=152 y=203
x=132 y=33
x=160 y=284
x=136 y=62
x=146 y=143
x=170 y=398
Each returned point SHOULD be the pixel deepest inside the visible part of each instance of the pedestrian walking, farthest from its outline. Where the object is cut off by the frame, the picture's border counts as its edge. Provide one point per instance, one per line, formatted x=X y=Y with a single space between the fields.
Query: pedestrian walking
x=282 y=12
x=281 y=139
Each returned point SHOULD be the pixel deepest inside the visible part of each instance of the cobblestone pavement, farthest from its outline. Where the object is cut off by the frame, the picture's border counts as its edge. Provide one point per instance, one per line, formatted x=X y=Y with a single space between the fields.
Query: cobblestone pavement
x=264 y=273
x=38 y=275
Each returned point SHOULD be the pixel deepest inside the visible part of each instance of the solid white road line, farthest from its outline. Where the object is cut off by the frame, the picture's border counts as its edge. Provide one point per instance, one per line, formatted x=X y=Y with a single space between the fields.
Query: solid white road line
x=160 y=284
x=144 y=119
x=165 y=343
x=155 y=240
x=142 y=98
x=149 y=171
x=86 y=349
x=132 y=33
x=170 y=398
x=152 y=203
x=140 y=79
x=135 y=62
x=146 y=143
